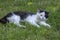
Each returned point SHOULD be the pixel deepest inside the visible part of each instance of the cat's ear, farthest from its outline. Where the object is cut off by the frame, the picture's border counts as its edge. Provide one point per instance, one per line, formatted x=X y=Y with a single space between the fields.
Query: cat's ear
x=40 y=10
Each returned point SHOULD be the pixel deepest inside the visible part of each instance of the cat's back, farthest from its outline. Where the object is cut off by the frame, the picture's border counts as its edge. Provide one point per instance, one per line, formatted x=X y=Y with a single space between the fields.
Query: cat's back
x=23 y=14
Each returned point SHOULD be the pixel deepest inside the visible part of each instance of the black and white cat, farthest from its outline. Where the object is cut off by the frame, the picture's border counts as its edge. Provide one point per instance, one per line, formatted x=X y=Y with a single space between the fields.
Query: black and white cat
x=16 y=17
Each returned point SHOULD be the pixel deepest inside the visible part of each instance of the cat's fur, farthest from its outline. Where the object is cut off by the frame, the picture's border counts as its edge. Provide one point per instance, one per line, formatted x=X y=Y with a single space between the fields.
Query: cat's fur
x=16 y=17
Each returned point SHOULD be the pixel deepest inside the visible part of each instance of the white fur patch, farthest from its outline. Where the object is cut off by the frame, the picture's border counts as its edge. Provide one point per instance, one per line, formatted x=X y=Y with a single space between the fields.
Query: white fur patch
x=14 y=18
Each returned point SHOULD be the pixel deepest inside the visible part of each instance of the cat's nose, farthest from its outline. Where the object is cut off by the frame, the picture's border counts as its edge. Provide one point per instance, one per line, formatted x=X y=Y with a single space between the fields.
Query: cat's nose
x=43 y=18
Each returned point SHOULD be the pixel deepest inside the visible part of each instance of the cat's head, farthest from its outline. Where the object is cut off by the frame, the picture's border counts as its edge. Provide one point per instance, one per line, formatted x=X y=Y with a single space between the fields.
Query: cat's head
x=42 y=14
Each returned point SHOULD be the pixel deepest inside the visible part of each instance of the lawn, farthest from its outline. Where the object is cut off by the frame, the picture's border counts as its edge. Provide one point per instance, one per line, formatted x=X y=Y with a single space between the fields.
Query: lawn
x=11 y=32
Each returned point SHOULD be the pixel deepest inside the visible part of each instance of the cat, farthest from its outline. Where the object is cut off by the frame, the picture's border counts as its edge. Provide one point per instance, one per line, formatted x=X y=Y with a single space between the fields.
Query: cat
x=35 y=19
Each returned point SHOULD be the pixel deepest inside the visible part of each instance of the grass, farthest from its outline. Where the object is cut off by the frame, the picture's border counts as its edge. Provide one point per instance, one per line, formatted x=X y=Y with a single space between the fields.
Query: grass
x=11 y=32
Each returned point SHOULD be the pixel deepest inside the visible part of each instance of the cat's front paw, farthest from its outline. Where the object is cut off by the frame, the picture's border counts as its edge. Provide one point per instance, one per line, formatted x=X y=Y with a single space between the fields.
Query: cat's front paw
x=48 y=25
x=38 y=26
x=22 y=26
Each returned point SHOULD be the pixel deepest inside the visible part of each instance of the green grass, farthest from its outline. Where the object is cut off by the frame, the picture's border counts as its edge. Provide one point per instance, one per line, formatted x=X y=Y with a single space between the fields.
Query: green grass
x=11 y=32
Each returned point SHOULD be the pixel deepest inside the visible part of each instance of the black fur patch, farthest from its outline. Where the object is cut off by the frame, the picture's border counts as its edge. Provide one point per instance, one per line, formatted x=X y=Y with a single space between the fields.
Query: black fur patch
x=46 y=14
x=4 y=19
x=22 y=14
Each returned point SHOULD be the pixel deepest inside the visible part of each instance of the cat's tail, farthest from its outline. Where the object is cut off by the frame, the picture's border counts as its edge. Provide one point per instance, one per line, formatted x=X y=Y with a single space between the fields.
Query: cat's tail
x=3 y=21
